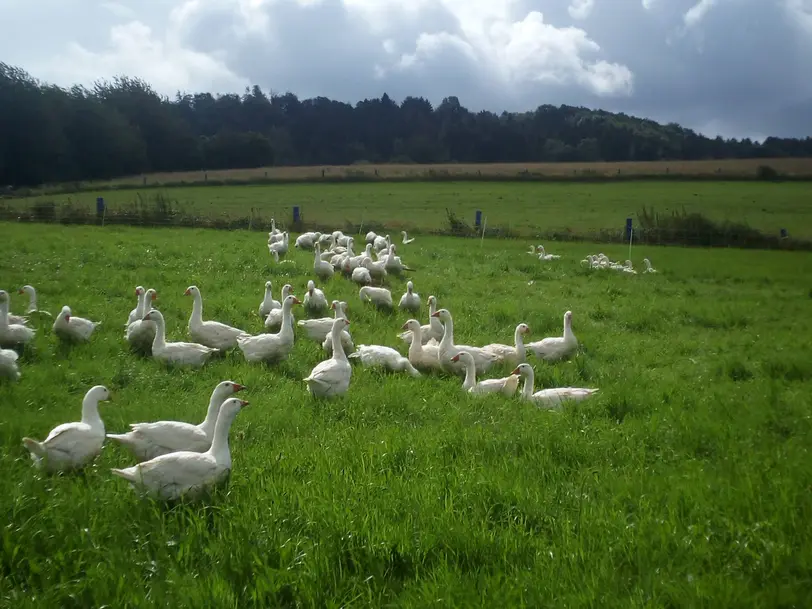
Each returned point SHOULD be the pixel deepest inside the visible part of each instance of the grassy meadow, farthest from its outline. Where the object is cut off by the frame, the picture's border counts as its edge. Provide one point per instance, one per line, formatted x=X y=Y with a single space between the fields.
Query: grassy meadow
x=685 y=482
x=525 y=208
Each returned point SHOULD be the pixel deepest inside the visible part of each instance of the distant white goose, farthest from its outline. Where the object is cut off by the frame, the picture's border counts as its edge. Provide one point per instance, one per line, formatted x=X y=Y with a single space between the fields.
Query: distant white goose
x=268 y=303
x=140 y=334
x=274 y=319
x=324 y=270
x=32 y=301
x=406 y=240
x=179 y=353
x=483 y=360
x=513 y=354
x=628 y=268
x=556 y=347
x=649 y=268
x=378 y=356
x=545 y=256
x=149 y=440
x=8 y=364
x=210 y=333
x=380 y=297
x=138 y=312
x=344 y=337
x=186 y=473
x=424 y=357
x=314 y=300
x=431 y=331
x=410 y=300
x=370 y=237
x=506 y=386
x=12 y=334
x=71 y=328
x=360 y=274
x=72 y=445
x=318 y=329
x=271 y=347
x=549 y=398
x=331 y=377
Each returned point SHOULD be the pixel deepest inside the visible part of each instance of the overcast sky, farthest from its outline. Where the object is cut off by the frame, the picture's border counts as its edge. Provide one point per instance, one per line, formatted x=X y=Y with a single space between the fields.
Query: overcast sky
x=739 y=68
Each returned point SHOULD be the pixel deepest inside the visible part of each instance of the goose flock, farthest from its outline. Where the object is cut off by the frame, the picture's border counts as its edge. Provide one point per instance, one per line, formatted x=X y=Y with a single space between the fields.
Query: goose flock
x=178 y=459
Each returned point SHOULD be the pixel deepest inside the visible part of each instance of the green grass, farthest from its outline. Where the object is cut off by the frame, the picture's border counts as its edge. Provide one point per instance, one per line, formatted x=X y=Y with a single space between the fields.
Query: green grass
x=526 y=208
x=684 y=482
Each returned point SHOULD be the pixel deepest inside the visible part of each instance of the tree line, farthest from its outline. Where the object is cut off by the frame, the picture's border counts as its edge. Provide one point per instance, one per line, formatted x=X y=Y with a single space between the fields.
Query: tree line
x=123 y=127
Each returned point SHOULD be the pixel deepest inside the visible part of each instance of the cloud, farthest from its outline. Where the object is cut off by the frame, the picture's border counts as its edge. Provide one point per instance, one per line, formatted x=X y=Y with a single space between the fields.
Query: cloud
x=736 y=67
x=580 y=9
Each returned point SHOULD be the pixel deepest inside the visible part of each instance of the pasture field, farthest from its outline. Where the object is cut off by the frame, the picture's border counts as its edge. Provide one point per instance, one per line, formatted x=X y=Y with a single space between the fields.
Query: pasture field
x=684 y=482
x=526 y=208
x=393 y=171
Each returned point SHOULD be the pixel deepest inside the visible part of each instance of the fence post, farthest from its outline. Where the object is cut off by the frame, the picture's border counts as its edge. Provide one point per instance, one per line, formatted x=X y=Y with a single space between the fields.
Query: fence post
x=295 y=214
x=478 y=219
x=784 y=233
x=628 y=228
x=100 y=209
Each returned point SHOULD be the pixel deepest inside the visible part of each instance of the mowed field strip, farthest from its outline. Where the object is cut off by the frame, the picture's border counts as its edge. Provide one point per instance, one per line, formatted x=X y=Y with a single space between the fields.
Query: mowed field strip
x=524 y=207
x=684 y=482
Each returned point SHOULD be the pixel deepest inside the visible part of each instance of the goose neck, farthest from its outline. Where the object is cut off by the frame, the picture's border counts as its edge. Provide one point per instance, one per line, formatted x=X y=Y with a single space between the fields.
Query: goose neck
x=90 y=411
x=219 y=443
x=213 y=410
x=160 y=334
x=470 y=373
x=197 y=309
x=338 y=348
x=527 y=388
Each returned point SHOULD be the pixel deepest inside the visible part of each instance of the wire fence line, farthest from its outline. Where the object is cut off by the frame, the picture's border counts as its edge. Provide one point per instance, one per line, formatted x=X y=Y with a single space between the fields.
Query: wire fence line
x=695 y=232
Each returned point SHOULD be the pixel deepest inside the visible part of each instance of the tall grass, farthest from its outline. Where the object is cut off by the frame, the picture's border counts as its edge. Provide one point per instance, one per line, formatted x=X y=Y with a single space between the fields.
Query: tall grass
x=684 y=482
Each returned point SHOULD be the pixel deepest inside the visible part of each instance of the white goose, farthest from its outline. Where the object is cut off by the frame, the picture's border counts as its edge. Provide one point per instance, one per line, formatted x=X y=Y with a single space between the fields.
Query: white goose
x=378 y=356
x=274 y=319
x=360 y=274
x=381 y=243
x=331 y=377
x=32 y=301
x=433 y=331
x=12 y=334
x=271 y=347
x=138 y=312
x=324 y=270
x=410 y=300
x=628 y=268
x=8 y=364
x=370 y=237
x=314 y=301
x=179 y=353
x=280 y=246
x=555 y=348
x=482 y=359
x=210 y=333
x=17 y=320
x=268 y=303
x=307 y=241
x=377 y=270
x=380 y=297
x=545 y=256
x=184 y=473
x=346 y=339
x=140 y=334
x=406 y=240
x=649 y=268
x=72 y=445
x=68 y=327
x=424 y=357
x=319 y=329
x=149 y=440
x=393 y=263
x=512 y=354
x=506 y=386
x=550 y=398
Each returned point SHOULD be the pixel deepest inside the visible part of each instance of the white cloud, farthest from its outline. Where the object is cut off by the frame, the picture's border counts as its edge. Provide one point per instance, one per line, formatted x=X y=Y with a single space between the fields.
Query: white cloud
x=697 y=12
x=135 y=51
x=800 y=11
x=581 y=9
x=648 y=4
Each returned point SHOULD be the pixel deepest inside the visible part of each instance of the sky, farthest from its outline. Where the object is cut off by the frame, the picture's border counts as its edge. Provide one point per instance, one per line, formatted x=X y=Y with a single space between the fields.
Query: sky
x=736 y=68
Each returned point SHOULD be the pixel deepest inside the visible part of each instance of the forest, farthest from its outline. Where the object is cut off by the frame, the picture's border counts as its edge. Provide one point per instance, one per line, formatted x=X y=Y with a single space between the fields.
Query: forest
x=124 y=127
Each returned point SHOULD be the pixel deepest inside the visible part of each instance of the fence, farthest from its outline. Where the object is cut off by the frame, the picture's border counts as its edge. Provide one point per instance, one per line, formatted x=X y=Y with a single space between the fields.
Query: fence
x=690 y=230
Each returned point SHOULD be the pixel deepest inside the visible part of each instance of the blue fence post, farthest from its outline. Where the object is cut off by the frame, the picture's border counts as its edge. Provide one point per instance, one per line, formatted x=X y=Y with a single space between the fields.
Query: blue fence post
x=784 y=233
x=628 y=228
x=295 y=214
x=478 y=219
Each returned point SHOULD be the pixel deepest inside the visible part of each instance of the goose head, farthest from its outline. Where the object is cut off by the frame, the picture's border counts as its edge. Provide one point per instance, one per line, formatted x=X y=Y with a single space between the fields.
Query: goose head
x=442 y=314
x=409 y=287
x=412 y=325
x=311 y=285
x=225 y=389
x=192 y=290
x=138 y=290
x=98 y=393
x=523 y=370
x=65 y=313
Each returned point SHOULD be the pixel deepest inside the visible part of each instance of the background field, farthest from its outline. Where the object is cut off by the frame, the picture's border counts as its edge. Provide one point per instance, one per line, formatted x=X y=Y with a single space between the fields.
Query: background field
x=526 y=208
x=719 y=168
x=684 y=482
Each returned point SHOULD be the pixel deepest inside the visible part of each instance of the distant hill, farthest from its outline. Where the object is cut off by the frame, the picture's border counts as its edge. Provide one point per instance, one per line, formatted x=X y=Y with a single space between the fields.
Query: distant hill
x=49 y=134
